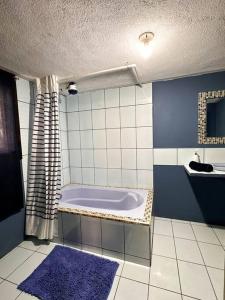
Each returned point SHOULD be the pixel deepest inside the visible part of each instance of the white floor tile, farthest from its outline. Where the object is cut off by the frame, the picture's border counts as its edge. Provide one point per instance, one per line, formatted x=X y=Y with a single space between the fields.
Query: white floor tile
x=27 y=268
x=135 y=272
x=163 y=227
x=46 y=249
x=160 y=294
x=1 y=280
x=8 y=291
x=188 y=298
x=24 y=296
x=162 y=219
x=182 y=230
x=30 y=245
x=217 y=278
x=205 y=234
x=163 y=245
x=131 y=290
x=200 y=224
x=195 y=281
x=180 y=221
x=213 y=255
x=188 y=250
x=220 y=232
x=12 y=260
x=113 y=289
x=164 y=273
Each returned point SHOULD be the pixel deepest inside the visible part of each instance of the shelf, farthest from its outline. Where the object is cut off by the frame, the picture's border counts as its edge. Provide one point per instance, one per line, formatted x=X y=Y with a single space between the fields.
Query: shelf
x=214 y=173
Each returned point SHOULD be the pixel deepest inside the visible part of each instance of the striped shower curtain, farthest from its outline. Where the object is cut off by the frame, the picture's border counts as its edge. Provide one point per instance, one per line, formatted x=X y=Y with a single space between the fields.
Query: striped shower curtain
x=44 y=168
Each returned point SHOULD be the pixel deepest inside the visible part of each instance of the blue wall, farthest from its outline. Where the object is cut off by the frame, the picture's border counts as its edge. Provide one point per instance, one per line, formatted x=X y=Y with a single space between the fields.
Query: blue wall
x=11 y=232
x=175 y=109
x=175 y=121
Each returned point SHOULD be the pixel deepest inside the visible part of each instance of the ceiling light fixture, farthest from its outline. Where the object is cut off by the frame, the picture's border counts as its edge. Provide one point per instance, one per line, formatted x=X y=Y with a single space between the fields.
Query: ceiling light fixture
x=146 y=47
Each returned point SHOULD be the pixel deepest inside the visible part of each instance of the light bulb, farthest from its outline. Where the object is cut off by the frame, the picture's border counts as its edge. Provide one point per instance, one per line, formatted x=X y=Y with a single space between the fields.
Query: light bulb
x=146 y=50
x=145 y=44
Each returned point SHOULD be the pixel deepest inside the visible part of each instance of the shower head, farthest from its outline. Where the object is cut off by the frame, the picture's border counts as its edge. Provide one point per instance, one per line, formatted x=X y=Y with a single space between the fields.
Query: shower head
x=72 y=88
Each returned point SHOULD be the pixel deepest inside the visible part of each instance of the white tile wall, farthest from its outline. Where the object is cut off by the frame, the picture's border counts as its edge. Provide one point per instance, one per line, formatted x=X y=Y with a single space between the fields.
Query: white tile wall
x=128 y=138
x=144 y=137
x=165 y=156
x=181 y=156
x=112 y=97
x=110 y=133
x=213 y=155
x=85 y=120
x=127 y=115
x=185 y=155
x=74 y=139
x=144 y=94
x=84 y=101
x=127 y=96
x=98 y=99
x=86 y=137
x=98 y=117
x=72 y=103
x=99 y=138
x=26 y=110
x=113 y=138
x=113 y=117
x=73 y=121
x=65 y=139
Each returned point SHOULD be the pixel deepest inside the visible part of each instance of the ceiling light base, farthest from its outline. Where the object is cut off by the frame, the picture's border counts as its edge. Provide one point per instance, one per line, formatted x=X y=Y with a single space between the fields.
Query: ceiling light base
x=146 y=37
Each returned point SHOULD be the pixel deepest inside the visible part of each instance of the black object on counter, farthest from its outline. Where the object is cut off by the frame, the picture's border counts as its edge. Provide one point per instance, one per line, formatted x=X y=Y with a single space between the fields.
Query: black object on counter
x=200 y=167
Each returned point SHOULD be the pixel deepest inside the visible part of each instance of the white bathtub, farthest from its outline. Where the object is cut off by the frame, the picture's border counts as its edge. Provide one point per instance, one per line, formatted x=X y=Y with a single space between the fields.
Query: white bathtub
x=114 y=201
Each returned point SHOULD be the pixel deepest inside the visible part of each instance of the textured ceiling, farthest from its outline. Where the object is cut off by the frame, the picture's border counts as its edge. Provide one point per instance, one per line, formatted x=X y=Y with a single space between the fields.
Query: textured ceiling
x=77 y=37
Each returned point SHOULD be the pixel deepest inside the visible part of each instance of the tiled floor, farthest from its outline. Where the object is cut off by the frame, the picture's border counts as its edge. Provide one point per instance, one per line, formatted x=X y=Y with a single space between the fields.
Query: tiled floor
x=187 y=264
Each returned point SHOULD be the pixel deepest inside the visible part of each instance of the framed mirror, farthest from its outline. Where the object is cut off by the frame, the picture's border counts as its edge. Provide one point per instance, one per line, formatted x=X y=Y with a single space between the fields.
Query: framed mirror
x=211 y=117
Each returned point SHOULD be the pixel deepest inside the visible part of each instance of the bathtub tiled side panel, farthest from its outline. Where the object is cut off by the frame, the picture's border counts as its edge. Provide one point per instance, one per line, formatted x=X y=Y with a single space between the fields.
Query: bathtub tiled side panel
x=91 y=231
x=71 y=227
x=113 y=235
x=137 y=240
x=137 y=260
x=132 y=242
x=58 y=232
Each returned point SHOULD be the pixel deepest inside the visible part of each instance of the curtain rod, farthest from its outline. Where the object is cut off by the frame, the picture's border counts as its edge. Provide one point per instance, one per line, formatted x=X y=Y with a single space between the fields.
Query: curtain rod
x=132 y=68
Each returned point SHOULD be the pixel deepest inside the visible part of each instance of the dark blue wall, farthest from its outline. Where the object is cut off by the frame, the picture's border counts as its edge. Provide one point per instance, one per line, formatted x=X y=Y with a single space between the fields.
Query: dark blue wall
x=175 y=109
x=179 y=196
x=175 y=121
x=11 y=232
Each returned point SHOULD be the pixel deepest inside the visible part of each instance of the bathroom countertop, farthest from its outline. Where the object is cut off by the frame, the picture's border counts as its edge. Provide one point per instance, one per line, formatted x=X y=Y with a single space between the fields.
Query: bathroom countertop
x=214 y=173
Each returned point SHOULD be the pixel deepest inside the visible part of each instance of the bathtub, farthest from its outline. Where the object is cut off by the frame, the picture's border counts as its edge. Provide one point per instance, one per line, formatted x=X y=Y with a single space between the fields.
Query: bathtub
x=112 y=203
x=115 y=222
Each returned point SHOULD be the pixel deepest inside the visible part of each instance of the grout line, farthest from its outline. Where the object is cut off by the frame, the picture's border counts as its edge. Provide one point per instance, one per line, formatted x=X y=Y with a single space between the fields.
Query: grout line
x=177 y=237
x=20 y=264
x=93 y=151
x=110 y=107
x=119 y=281
x=106 y=144
x=176 y=257
x=205 y=265
x=174 y=292
x=121 y=149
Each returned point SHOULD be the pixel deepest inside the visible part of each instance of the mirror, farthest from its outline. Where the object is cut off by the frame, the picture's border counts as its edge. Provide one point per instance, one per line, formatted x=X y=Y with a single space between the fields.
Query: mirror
x=211 y=117
x=215 y=117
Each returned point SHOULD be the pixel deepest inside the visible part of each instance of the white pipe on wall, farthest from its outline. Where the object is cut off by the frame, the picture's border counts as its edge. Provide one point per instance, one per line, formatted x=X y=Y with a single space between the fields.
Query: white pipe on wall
x=131 y=68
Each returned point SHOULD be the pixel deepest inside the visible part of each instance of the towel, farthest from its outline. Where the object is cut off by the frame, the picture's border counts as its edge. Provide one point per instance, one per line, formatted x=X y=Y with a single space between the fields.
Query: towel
x=200 y=167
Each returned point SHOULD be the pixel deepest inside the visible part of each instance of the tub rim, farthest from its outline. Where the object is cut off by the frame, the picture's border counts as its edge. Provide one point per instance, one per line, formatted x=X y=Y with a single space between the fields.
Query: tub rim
x=146 y=220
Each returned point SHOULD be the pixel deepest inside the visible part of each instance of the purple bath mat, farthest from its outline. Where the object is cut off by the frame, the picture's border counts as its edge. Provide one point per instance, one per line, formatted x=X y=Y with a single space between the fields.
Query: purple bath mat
x=68 y=274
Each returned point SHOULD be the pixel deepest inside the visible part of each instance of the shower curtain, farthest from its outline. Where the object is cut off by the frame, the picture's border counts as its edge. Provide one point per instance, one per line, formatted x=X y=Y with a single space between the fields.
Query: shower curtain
x=44 y=168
